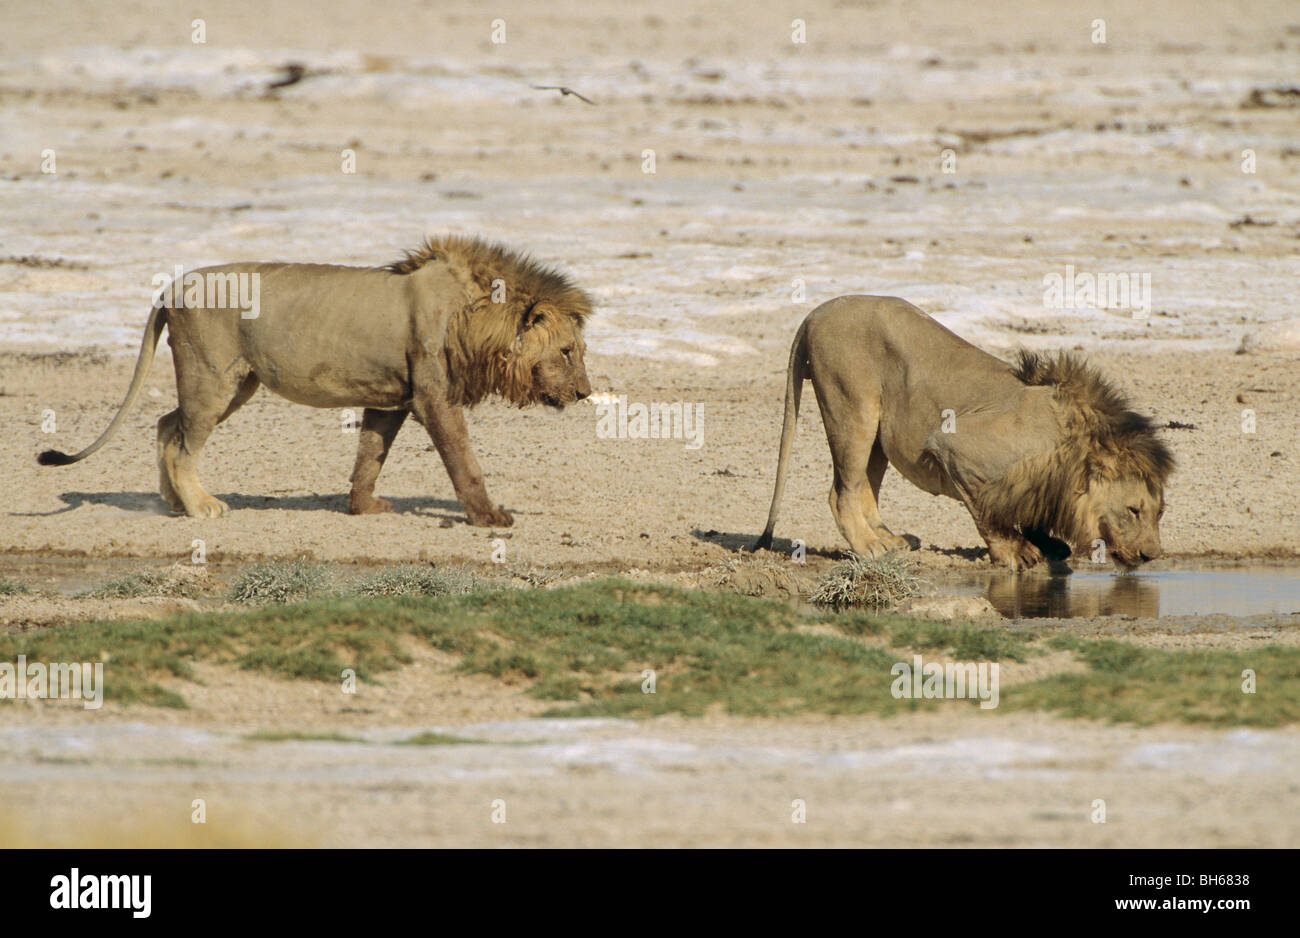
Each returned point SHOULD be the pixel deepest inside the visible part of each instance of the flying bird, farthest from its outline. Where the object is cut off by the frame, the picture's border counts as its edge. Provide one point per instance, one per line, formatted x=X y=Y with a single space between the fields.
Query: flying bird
x=564 y=91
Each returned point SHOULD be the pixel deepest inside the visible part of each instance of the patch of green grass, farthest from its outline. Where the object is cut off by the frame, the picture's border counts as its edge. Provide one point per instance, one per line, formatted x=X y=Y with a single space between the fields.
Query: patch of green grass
x=12 y=587
x=868 y=582
x=585 y=647
x=589 y=645
x=298 y=736
x=280 y=582
x=312 y=641
x=421 y=581
x=439 y=739
x=1130 y=684
x=964 y=642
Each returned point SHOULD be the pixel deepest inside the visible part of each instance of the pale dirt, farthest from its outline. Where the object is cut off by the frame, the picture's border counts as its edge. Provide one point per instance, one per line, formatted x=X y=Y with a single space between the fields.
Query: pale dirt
x=950 y=777
x=654 y=507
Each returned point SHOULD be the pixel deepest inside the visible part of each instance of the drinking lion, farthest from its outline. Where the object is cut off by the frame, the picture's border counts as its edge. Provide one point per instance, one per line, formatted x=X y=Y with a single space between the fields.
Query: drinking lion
x=1043 y=450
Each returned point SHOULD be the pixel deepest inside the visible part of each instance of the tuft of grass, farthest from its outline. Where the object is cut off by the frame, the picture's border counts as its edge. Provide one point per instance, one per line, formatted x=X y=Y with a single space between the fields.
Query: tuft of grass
x=12 y=587
x=127 y=587
x=755 y=575
x=421 y=581
x=868 y=582
x=280 y=583
x=180 y=580
x=537 y=577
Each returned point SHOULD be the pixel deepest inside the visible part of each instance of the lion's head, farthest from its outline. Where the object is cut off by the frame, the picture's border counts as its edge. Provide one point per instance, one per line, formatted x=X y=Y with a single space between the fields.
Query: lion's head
x=547 y=362
x=520 y=334
x=1124 y=515
x=1104 y=481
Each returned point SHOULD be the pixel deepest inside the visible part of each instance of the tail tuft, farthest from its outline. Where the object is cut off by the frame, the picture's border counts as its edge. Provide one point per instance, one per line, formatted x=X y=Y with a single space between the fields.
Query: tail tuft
x=52 y=457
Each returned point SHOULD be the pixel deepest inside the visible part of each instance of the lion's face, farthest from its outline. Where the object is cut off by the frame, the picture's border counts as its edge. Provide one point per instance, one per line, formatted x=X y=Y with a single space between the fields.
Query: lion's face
x=553 y=351
x=1125 y=514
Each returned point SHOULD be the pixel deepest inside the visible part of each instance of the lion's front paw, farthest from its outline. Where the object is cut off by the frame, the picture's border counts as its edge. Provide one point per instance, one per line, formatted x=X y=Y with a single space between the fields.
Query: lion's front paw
x=1028 y=555
x=1016 y=554
x=496 y=517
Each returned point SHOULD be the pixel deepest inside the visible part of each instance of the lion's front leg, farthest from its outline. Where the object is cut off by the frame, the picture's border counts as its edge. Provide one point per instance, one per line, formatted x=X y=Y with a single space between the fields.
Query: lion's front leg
x=446 y=425
x=1009 y=548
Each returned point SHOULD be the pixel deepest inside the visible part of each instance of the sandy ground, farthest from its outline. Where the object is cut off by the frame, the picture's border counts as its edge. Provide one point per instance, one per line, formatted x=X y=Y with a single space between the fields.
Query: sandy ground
x=776 y=162
x=951 y=777
x=580 y=500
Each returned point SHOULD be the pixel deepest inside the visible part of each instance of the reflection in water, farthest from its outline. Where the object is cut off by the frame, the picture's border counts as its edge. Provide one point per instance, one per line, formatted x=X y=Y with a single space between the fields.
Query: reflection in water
x=1234 y=592
x=1063 y=597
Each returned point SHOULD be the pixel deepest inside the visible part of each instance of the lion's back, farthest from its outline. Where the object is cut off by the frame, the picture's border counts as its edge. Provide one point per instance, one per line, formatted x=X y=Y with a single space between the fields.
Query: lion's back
x=886 y=355
x=888 y=338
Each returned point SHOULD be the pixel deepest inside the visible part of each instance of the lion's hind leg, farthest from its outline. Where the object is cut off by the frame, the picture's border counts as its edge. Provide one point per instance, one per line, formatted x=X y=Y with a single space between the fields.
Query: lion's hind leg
x=876 y=467
x=168 y=426
x=378 y=430
x=851 y=431
x=182 y=433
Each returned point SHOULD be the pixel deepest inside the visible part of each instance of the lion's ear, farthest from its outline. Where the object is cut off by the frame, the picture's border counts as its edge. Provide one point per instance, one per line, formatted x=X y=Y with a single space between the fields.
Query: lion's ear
x=535 y=314
x=1102 y=464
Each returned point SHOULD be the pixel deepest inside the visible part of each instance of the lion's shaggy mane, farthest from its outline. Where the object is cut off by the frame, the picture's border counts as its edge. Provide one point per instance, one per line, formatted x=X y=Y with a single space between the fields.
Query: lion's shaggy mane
x=1103 y=437
x=483 y=337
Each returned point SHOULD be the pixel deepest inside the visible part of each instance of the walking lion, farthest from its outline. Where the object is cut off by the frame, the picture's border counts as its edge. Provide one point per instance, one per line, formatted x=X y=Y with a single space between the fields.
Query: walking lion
x=451 y=323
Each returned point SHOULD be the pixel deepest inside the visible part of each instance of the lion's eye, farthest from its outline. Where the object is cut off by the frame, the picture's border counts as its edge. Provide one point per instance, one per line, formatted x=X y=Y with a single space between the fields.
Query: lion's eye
x=1137 y=512
x=567 y=352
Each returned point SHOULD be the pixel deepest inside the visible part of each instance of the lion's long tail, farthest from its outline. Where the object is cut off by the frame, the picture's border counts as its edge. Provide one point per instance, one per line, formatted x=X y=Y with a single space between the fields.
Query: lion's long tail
x=152 y=332
x=795 y=376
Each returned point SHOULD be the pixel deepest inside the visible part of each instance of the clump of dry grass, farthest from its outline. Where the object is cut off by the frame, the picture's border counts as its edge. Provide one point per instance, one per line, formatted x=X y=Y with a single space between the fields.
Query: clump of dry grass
x=755 y=575
x=868 y=582
x=185 y=580
x=280 y=582
x=537 y=577
x=421 y=581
